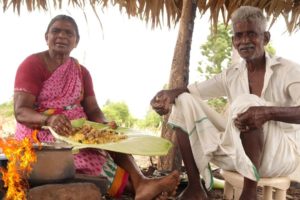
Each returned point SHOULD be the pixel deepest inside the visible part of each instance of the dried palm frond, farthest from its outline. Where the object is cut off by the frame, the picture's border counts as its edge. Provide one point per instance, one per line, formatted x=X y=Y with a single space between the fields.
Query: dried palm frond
x=202 y=5
x=215 y=8
x=172 y=11
x=155 y=11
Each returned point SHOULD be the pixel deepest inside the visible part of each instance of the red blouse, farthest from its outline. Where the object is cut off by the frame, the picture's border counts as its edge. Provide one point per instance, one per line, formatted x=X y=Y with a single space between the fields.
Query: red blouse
x=33 y=72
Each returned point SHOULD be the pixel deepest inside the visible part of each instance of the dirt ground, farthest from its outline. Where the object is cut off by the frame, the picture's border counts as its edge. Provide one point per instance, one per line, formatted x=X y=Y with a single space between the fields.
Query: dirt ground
x=217 y=194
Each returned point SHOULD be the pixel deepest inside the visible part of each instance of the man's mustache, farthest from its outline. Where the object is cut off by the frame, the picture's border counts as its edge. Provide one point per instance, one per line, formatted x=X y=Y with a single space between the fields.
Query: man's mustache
x=243 y=47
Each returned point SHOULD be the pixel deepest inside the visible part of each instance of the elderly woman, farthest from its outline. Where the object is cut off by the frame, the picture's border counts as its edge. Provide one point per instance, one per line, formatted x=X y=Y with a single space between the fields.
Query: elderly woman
x=52 y=88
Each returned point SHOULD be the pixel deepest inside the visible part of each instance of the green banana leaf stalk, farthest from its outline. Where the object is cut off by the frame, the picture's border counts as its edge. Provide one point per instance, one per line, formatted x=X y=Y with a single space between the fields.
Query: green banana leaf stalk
x=136 y=143
x=218 y=183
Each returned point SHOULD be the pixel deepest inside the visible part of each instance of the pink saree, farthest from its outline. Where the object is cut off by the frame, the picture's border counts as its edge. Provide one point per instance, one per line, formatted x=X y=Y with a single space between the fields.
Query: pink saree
x=61 y=93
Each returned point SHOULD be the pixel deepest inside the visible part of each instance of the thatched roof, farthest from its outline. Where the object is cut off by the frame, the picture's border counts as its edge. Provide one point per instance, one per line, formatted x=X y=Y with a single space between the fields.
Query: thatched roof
x=154 y=11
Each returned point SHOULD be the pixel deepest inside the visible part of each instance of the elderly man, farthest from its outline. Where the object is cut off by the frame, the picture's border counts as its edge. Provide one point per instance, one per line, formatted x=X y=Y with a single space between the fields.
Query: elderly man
x=261 y=137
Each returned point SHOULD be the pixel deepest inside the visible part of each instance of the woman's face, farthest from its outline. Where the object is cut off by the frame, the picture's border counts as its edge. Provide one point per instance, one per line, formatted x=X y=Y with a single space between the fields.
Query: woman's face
x=61 y=37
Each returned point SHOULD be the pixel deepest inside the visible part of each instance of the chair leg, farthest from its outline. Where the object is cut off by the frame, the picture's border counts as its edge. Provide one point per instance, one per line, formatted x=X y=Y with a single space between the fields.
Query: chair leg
x=267 y=193
x=237 y=193
x=228 y=191
x=280 y=194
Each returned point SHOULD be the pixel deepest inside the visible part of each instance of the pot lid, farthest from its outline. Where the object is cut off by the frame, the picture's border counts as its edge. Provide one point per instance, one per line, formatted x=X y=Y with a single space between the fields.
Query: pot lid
x=53 y=145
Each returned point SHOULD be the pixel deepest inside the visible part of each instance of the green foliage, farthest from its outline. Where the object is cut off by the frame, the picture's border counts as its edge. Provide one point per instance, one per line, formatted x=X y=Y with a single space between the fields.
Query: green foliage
x=152 y=121
x=217 y=51
x=119 y=112
x=270 y=49
x=6 y=109
x=219 y=104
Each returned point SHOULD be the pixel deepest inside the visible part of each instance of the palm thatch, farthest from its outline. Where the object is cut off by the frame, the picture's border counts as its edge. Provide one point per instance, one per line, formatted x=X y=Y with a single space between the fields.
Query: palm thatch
x=154 y=11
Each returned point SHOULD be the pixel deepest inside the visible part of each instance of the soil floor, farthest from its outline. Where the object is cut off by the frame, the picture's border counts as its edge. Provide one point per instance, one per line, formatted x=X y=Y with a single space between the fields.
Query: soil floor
x=217 y=194
x=146 y=164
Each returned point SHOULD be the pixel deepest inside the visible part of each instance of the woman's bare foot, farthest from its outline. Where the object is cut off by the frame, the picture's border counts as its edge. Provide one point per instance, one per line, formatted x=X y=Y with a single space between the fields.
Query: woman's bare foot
x=157 y=188
x=190 y=193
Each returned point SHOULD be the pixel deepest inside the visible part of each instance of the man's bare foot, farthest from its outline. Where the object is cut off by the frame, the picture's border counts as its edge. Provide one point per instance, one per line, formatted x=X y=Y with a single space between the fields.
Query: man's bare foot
x=157 y=188
x=190 y=193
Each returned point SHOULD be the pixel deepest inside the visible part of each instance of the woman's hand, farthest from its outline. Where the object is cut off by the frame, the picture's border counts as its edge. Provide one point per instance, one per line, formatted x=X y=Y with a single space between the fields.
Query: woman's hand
x=112 y=124
x=61 y=124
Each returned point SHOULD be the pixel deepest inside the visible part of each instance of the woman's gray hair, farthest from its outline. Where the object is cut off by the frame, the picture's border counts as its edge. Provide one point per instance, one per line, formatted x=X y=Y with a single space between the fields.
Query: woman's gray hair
x=64 y=18
x=250 y=13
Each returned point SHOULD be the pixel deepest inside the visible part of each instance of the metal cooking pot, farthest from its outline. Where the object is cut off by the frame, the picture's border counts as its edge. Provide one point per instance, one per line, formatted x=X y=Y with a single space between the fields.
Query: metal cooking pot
x=55 y=164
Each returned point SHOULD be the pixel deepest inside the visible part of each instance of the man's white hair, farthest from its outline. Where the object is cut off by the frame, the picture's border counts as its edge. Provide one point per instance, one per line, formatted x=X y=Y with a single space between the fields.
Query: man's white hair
x=250 y=13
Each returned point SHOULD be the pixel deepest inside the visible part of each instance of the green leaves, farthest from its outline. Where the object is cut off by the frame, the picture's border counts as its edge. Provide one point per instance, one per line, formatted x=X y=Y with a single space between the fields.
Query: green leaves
x=119 y=112
x=217 y=51
x=137 y=143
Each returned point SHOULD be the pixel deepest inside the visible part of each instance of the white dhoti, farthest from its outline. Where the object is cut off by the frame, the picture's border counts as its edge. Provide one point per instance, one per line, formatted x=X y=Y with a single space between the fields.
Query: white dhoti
x=214 y=138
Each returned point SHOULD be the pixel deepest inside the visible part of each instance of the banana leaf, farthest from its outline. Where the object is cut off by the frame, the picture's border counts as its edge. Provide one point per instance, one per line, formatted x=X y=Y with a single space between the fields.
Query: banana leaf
x=80 y=122
x=136 y=143
x=218 y=183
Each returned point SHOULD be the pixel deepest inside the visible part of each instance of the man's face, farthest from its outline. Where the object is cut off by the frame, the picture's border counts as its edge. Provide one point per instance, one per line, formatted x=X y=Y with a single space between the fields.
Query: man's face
x=249 y=40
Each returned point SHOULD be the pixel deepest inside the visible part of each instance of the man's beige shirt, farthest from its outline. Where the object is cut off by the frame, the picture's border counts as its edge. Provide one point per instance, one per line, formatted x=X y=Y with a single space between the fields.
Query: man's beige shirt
x=281 y=85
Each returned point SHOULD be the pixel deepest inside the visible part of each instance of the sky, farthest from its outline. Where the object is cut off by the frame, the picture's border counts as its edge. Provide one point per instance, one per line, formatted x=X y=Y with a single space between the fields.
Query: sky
x=127 y=59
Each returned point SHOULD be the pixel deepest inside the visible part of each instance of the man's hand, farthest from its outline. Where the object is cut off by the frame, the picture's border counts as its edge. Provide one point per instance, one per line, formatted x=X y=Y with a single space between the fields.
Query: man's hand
x=253 y=118
x=163 y=100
